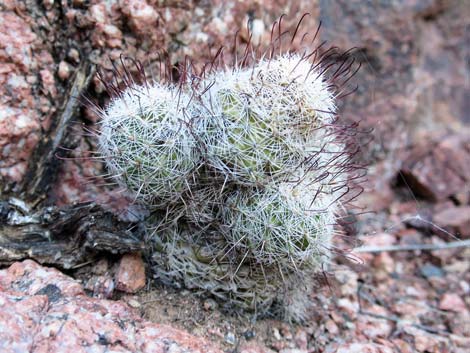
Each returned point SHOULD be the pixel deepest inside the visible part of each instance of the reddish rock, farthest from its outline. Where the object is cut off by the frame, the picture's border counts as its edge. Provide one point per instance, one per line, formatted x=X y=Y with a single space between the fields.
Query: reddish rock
x=253 y=347
x=141 y=15
x=384 y=264
x=64 y=70
x=130 y=275
x=452 y=302
x=438 y=168
x=30 y=278
x=460 y=324
x=426 y=342
x=348 y=307
x=331 y=327
x=59 y=317
x=101 y=286
x=380 y=239
x=456 y=220
x=403 y=346
x=164 y=338
x=412 y=79
x=301 y=338
x=373 y=328
x=348 y=281
x=363 y=348
x=19 y=316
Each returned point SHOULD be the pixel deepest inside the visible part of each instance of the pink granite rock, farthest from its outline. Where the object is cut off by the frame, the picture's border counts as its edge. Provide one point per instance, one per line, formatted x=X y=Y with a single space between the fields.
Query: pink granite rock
x=21 y=110
x=42 y=310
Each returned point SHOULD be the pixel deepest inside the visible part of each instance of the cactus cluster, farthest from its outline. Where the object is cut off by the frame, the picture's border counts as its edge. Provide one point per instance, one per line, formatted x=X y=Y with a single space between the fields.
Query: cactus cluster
x=243 y=172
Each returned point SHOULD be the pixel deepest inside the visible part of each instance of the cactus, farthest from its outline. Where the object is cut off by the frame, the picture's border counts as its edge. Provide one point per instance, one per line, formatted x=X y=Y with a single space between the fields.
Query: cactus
x=245 y=169
x=276 y=226
x=147 y=143
x=204 y=265
x=264 y=119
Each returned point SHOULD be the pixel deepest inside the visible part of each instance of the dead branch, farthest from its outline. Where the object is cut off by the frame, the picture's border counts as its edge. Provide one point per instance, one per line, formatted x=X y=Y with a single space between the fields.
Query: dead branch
x=64 y=237
x=43 y=164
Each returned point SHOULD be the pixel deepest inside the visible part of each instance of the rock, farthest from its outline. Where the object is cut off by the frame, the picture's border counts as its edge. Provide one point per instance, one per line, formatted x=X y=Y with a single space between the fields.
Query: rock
x=421 y=220
x=130 y=275
x=384 y=264
x=424 y=341
x=373 y=328
x=101 y=286
x=460 y=324
x=417 y=91
x=29 y=278
x=437 y=169
x=210 y=304
x=348 y=281
x=141 y=15
x=458 y=267
x=403 y=346
x=380 y=239
x=230 y=338
x=410 y=237
x=363 y=348
x=452 y=302
x=42 y=310
x=332 y=328
x=163 y=338
x=456 y=220
x=301 y=338
x=378 y=193
x=276 y=334
x=25 y=80
x=64 y=70
x=286 y=331
x=253 y=347
x=349 y=307
x=249 y=334
x=429 y=270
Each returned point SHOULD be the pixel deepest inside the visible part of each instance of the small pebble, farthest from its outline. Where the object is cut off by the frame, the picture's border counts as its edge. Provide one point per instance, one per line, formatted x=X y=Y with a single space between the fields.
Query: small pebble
x=134 y=303
x=276 y=334
x=210 y=304
x=230 y=338
x=74 y=55
x=249 y=334
x=429 y=270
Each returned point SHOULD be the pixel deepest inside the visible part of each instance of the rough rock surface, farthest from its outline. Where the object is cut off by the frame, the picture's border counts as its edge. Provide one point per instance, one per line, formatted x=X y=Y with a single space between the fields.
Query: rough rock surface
x=42 y=310
x=26 y=89
x=413 y=59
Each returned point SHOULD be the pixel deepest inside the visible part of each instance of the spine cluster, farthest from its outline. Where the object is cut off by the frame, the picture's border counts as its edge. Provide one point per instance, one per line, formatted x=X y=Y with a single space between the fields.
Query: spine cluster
x=245 y=169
